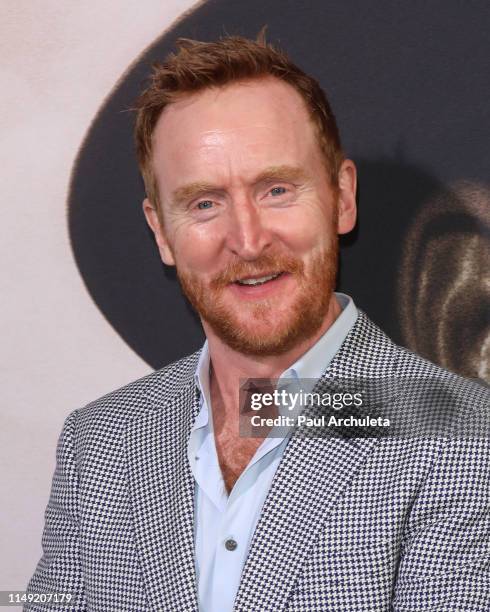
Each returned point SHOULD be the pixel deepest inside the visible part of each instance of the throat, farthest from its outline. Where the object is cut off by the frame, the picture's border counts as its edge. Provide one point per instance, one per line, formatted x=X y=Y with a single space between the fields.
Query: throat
x=234 y=452
x=234 y=455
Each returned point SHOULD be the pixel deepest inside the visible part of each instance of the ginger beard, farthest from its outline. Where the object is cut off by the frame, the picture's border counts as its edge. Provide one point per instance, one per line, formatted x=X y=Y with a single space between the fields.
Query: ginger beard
x=266 y=327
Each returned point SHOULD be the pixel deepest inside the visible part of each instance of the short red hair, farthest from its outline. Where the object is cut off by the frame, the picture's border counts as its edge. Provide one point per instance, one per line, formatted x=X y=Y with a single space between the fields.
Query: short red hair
x=201 y=65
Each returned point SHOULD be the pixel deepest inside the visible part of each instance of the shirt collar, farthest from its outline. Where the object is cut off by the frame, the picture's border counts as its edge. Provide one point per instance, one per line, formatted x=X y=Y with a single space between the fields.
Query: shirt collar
x=201 y=378
x=313 y=363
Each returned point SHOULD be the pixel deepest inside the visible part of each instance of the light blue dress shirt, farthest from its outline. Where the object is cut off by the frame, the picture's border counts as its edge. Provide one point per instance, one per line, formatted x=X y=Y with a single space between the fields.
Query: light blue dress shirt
x=220 y=517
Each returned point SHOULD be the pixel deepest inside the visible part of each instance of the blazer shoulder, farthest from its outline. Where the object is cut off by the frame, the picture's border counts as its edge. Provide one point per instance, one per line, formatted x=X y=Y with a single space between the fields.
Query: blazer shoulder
x=376 y=355
x=136 y=398
x=422 y=373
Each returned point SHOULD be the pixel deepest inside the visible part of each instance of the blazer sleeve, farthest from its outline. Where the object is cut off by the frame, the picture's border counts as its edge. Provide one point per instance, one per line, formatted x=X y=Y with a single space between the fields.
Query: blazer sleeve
x=445 y=563
x=59 y=570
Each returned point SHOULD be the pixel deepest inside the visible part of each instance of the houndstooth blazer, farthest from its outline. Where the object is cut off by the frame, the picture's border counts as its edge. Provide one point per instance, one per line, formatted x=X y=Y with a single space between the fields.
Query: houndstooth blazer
x=349 y=525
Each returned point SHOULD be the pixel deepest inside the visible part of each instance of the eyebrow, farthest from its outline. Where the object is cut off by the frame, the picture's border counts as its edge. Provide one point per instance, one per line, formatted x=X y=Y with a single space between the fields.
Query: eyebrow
x=273 y=173
x=282 y=173
x=191 y=191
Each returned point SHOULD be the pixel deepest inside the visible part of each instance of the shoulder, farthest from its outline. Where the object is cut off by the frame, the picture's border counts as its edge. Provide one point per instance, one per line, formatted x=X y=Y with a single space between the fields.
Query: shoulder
x=370 y=354
x=420 y=374
x=113 y=411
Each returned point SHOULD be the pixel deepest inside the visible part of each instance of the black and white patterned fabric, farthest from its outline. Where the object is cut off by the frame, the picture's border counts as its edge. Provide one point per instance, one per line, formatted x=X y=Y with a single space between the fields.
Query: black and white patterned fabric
x=349 y=524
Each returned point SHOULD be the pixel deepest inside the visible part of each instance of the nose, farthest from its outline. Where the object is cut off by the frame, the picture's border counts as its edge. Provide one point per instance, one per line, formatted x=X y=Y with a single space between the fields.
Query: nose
x=247 y=233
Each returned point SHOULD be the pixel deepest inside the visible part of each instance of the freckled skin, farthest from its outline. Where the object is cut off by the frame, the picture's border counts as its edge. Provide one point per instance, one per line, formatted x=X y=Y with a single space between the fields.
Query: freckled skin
x=210 y=150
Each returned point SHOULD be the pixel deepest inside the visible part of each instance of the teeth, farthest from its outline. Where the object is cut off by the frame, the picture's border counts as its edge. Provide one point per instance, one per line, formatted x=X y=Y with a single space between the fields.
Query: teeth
x=258 y=281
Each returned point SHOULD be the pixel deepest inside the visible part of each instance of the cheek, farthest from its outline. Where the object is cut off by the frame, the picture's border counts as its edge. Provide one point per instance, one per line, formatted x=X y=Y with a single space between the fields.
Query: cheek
x=306 y=230
x=196 y=248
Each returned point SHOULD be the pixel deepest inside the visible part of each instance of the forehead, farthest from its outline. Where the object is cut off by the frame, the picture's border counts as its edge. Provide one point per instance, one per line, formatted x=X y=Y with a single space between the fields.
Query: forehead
x=249 y=122
x=240 y=102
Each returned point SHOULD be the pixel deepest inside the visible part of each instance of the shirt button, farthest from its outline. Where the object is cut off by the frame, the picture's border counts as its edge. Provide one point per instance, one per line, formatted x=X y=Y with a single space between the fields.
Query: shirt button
x=230 y=544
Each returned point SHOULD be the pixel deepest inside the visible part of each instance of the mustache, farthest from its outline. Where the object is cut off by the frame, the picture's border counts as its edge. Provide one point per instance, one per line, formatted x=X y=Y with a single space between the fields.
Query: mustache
x=264 y=265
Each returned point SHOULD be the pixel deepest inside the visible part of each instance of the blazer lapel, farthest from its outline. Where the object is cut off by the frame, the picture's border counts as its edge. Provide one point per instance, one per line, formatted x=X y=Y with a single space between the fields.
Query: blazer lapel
x=310 y=479
x=161 y=489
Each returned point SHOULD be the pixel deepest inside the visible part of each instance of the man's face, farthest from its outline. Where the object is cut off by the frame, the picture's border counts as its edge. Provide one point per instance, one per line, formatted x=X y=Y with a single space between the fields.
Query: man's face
x=249 y=217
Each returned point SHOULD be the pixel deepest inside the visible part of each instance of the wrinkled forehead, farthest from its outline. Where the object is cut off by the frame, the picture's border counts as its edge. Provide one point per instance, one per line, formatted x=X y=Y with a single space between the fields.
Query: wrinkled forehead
x=248 y=122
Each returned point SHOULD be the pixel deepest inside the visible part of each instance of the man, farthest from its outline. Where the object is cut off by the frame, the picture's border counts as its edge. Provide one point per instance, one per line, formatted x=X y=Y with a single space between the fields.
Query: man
x=158 y=503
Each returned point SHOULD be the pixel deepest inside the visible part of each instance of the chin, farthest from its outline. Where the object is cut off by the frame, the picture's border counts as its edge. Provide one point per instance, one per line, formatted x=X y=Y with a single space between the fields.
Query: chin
x=267 y=321
x=265 y=338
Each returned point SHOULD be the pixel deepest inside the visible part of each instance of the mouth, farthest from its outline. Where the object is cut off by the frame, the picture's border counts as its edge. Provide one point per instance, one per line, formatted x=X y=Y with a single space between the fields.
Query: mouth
x=261 y=286
x=254 y=281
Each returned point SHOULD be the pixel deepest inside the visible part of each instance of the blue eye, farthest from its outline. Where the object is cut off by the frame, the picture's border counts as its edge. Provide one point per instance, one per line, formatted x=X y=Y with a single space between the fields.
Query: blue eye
x=205 y=205
x=275 y=191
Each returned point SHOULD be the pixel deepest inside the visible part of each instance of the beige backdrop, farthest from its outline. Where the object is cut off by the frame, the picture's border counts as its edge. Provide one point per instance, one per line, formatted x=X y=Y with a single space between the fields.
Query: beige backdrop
x=59 y=59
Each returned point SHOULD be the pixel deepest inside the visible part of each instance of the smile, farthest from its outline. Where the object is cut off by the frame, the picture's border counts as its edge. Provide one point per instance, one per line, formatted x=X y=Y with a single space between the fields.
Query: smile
x=259 y=280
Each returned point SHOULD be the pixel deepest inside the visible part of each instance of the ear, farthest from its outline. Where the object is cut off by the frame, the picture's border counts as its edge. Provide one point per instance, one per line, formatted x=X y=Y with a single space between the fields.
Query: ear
x=153 y=220
x=347 y=197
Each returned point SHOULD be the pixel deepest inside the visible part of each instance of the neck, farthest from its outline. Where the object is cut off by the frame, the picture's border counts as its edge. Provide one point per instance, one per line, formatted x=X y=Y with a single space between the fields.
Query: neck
x=229 y=366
